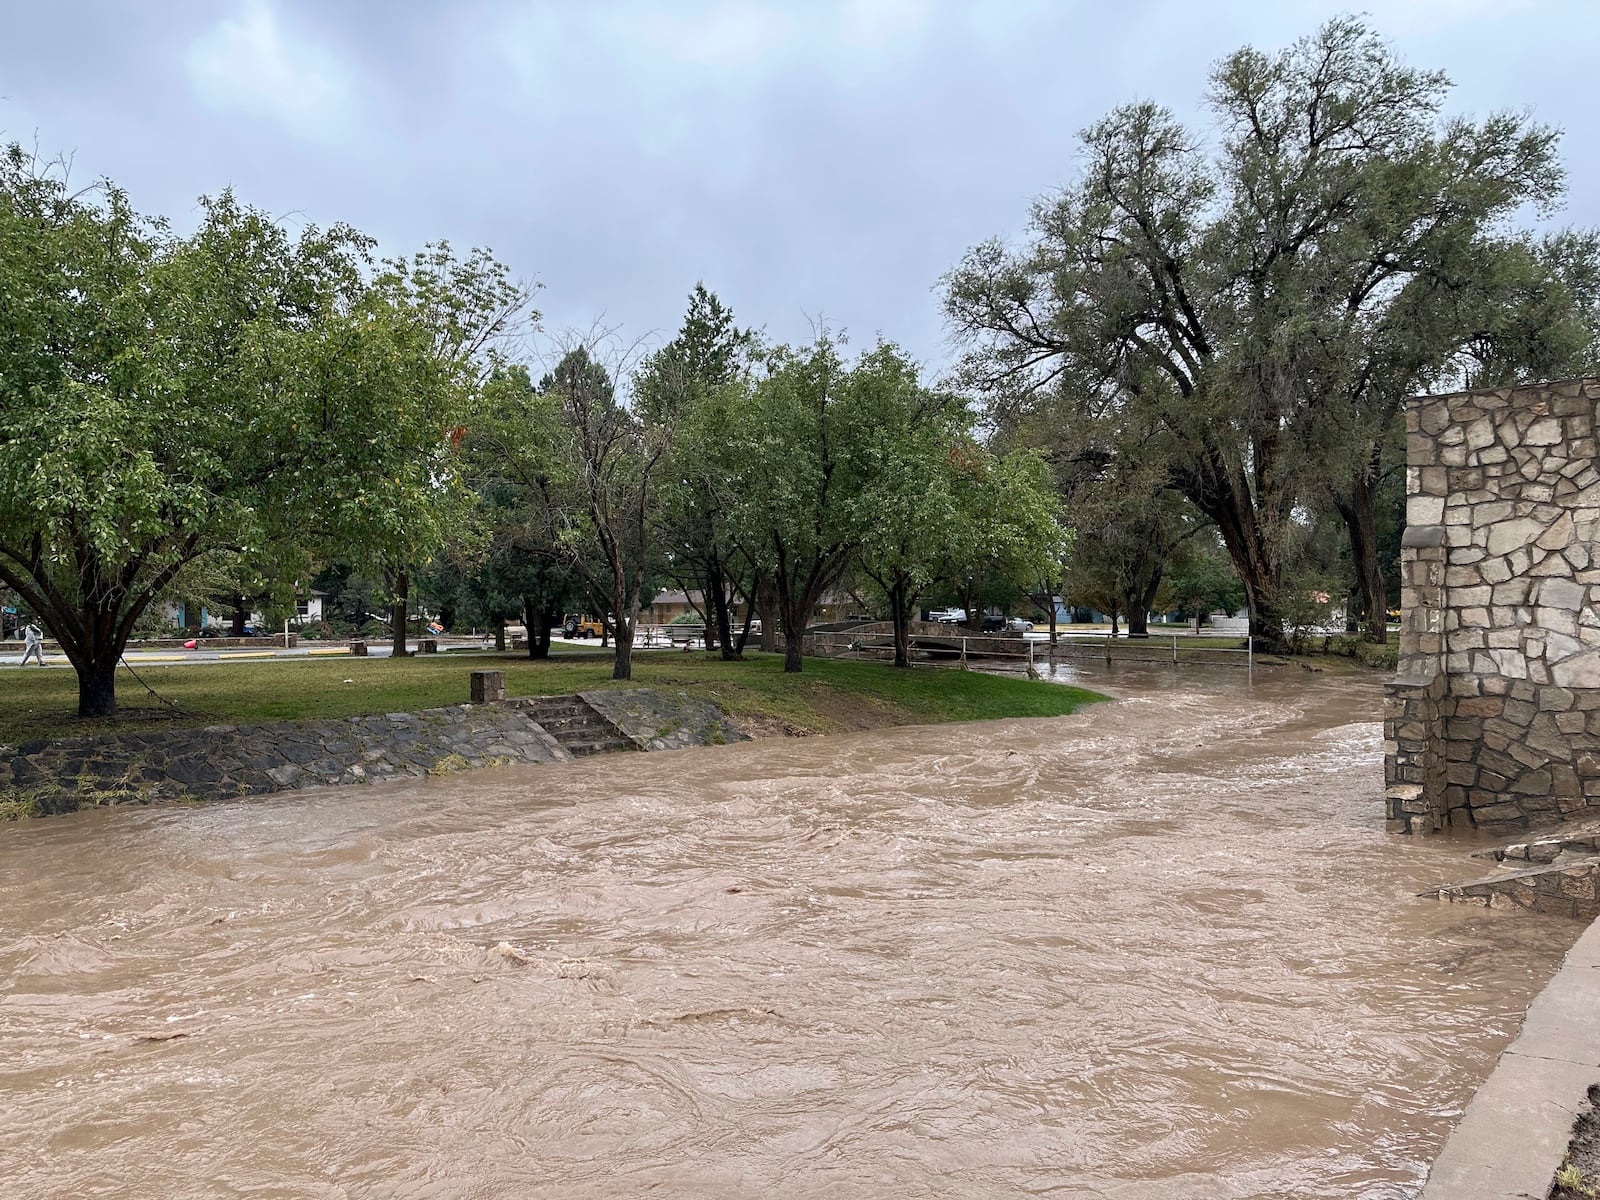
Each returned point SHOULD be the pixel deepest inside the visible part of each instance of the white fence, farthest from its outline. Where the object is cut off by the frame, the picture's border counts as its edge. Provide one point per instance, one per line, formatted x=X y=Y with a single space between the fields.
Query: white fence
x=1168 y=648
x=958 y=650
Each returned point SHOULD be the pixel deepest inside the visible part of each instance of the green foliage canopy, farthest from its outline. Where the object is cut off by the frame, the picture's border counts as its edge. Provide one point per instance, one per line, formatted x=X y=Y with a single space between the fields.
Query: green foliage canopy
x=169 y=401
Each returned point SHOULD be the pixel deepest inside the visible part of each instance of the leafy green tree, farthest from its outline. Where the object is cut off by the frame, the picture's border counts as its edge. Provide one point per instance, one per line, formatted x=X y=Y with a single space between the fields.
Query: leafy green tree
x=464 y=310
x=1126 y=526
x=913 y=487
x=1201 y=581
x=529 y=510
x=596 y=481
x=1236 y=304
x=1008 y=531
x=802 y=455
x=689 y=384
x=170 y=402
x=512 y=577
x=349 y=597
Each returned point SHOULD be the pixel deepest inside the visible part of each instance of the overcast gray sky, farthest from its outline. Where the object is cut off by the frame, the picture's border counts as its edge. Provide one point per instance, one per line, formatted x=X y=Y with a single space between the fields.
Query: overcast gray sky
x=811 y=158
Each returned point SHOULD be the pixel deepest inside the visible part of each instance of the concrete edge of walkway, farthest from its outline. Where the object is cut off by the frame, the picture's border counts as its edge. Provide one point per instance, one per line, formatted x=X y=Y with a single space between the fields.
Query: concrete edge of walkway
x=1514 y=1134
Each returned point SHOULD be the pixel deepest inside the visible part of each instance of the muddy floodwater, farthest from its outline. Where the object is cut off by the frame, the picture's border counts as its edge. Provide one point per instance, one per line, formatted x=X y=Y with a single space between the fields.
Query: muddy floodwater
x=1159 y=949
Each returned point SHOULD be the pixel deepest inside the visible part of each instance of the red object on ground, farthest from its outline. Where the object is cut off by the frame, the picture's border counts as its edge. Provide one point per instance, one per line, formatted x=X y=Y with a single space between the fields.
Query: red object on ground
x=191 y=644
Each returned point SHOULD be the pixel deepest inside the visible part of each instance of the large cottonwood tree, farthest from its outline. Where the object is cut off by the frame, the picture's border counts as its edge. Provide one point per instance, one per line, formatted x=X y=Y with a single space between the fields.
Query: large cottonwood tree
x=1237 y=293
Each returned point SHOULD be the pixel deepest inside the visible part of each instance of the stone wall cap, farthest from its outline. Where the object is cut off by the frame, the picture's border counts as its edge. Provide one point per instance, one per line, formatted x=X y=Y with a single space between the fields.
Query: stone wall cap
x=1412 y=681
x=1508 y=390
x=1423 y=536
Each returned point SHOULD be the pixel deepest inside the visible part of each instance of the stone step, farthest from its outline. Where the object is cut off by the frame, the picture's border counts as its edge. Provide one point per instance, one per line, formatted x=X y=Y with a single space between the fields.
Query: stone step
x=1567 y=887
x=558 y=711
x=570 y=721
x=582 y=748
x=576 y=727
x=1581 y=842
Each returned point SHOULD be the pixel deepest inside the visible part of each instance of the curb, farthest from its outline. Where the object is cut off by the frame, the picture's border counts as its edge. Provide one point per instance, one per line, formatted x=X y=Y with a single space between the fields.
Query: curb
x=1514 y=1135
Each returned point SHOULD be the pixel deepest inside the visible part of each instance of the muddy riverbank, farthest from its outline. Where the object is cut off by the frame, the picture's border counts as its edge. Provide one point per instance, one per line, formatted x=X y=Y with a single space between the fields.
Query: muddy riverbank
x=1160 y=948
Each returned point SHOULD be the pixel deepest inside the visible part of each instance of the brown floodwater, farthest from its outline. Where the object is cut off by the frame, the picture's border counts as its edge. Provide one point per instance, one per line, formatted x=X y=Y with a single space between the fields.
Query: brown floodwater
x=1162 y=948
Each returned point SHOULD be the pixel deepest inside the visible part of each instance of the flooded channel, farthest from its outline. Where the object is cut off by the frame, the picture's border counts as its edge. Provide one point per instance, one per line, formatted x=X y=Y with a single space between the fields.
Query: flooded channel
x=1160 y=949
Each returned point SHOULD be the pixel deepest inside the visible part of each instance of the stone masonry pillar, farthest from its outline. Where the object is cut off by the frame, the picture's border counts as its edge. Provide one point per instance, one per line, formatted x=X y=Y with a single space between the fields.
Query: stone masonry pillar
x=488 y=687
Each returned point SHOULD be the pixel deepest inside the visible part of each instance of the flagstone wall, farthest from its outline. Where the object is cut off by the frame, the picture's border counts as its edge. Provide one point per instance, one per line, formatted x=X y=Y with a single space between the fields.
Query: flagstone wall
x=1494 y=717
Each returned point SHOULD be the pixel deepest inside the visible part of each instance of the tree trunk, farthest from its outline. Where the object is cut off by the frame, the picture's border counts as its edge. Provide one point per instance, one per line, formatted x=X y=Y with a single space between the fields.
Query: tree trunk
x=1138 y=620
x=900 y=614
x=717 y=595
x=794 y=614
x=1266 y=619
x=92 y=633
x=240 y=616
x=1356 y=510
x=1249 y=550
x=767 y=606
x=538 y=629
x=94 y=655
x=1139 y=603
x=499 y=633
x=97 y=686
x=622 y=663
x=397 y=614
x=549 y=618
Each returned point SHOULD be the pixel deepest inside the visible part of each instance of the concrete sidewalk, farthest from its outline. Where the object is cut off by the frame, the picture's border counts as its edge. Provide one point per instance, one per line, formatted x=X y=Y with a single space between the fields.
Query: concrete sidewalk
x=1513 y=1137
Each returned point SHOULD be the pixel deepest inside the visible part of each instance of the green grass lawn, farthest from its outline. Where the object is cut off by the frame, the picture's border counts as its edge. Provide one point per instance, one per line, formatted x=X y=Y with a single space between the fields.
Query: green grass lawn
x=828 y=696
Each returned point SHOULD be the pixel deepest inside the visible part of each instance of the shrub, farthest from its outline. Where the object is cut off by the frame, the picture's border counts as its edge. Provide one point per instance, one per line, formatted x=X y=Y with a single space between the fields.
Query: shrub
x=1385 y=657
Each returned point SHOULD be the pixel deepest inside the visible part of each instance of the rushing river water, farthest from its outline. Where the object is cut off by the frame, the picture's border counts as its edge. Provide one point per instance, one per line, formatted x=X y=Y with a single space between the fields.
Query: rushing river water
x=1160 y=949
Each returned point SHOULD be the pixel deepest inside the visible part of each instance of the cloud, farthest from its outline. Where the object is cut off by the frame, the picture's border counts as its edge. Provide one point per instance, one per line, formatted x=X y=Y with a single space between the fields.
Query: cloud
x=250 y=63
x=1413 y=18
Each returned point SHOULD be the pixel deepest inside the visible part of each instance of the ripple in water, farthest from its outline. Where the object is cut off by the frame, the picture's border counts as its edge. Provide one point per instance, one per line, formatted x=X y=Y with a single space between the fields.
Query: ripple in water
x=1159 y=949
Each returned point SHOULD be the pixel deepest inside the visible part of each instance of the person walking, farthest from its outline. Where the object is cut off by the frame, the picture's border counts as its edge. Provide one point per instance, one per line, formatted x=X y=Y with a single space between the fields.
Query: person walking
x=33 y=644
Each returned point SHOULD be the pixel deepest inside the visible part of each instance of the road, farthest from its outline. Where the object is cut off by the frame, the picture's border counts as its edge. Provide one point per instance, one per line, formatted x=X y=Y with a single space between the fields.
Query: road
x=138 y=658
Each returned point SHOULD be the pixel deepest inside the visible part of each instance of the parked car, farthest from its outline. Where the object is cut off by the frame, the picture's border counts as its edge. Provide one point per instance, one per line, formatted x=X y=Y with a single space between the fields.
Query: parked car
x=947 y=616
x=1018 y=625
x=581 y=625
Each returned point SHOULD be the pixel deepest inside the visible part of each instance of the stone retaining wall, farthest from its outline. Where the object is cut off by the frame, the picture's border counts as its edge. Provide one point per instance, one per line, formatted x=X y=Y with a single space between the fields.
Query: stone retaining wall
x=223 y=762
x=1501 y=592
x=654 y=720
x=1571 y=890
x=1414 y=767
